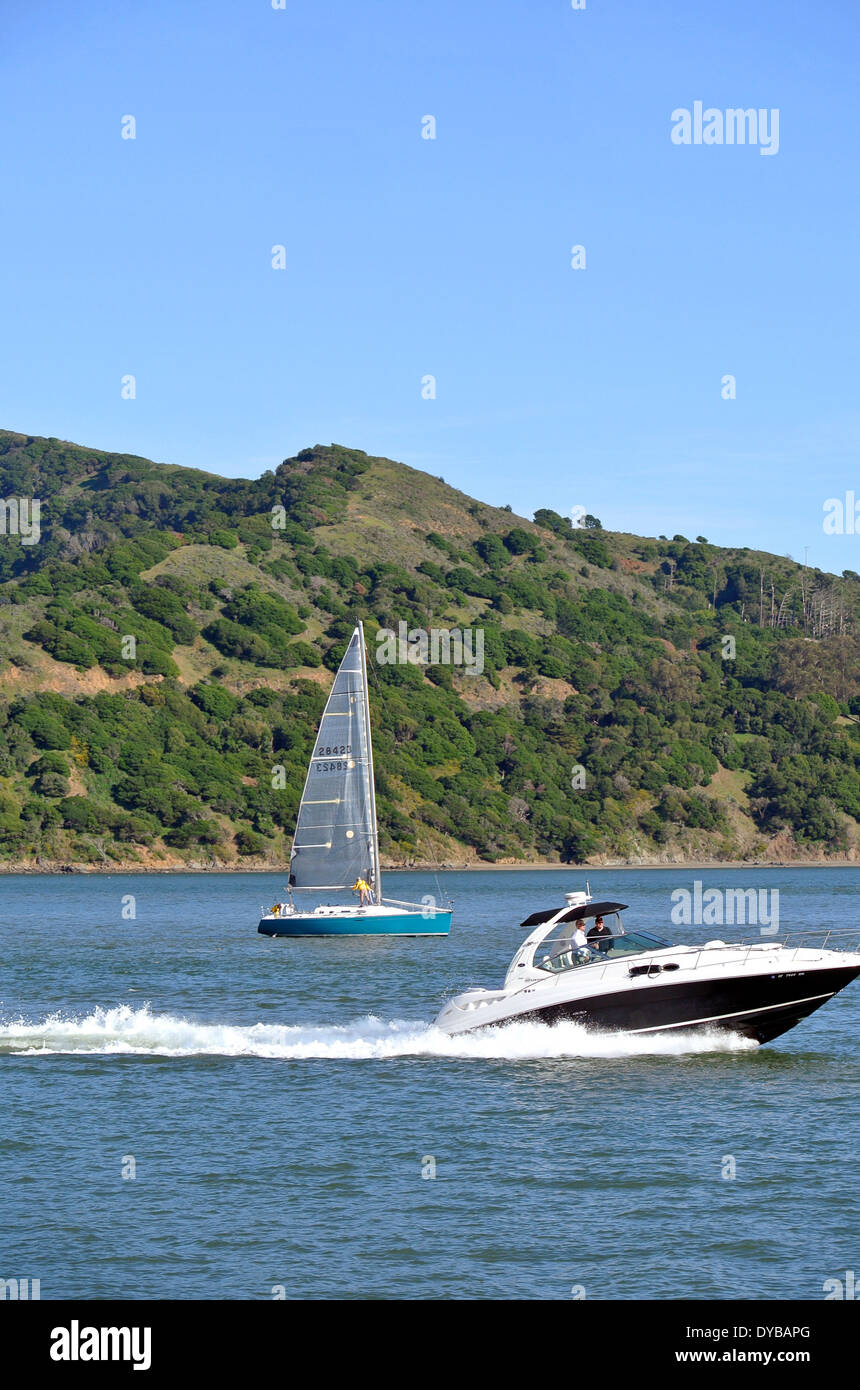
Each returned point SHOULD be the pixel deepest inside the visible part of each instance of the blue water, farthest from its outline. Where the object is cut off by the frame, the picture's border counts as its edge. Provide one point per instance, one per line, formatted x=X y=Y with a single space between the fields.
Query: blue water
x=281 y=1098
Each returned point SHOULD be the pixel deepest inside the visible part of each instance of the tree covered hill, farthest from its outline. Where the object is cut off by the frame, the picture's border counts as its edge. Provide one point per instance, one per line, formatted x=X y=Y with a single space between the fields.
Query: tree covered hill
x=648 y=700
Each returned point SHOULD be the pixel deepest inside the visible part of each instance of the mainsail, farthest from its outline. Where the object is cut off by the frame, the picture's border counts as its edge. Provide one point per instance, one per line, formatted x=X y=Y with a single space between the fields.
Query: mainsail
x=336 y=835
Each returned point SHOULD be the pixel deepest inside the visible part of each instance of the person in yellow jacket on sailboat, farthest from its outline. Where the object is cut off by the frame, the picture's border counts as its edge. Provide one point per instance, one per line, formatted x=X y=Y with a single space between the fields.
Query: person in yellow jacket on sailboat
x=364 y=889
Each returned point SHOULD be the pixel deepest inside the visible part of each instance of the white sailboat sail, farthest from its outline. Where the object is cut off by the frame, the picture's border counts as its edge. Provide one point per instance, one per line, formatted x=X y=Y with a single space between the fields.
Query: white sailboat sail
x=336 y=840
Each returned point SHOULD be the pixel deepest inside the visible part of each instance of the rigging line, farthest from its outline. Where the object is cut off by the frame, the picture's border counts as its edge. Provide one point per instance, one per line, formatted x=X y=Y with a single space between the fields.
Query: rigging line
x=434 y=860
x=372 y=668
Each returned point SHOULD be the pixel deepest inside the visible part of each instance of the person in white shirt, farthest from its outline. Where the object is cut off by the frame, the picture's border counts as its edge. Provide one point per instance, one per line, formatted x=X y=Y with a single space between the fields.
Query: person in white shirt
x=579 y=938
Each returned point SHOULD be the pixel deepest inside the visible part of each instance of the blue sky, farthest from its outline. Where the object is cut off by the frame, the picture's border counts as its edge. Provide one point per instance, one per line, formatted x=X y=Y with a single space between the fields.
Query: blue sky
x=405 y=257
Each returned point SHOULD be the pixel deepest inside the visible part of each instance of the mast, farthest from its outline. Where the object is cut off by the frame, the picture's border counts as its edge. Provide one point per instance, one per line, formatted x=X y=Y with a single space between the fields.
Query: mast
x=377 y=872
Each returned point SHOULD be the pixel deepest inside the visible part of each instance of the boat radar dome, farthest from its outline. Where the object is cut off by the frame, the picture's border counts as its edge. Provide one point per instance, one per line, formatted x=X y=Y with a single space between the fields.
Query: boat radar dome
x=577 y=899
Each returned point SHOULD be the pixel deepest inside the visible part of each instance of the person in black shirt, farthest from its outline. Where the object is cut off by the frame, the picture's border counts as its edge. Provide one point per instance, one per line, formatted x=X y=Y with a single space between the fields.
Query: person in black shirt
x=596 y=935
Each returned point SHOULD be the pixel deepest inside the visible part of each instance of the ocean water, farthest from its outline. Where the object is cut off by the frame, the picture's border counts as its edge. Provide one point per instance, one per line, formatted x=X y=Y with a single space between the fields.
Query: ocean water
x=283 y=1103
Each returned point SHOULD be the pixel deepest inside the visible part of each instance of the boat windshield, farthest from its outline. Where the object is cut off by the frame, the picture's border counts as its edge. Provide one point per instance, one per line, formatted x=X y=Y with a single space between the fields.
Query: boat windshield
x=560 y=952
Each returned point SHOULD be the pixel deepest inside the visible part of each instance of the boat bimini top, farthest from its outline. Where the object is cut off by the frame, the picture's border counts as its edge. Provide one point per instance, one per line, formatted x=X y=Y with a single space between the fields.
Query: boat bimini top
x=573 y=914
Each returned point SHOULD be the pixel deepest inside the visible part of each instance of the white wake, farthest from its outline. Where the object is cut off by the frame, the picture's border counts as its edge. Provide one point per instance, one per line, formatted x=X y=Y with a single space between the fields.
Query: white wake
x=138 y=1032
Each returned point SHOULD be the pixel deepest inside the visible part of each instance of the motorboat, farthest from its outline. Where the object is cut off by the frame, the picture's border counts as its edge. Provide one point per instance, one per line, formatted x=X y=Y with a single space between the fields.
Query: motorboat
x=336 y=842
x=579 y=964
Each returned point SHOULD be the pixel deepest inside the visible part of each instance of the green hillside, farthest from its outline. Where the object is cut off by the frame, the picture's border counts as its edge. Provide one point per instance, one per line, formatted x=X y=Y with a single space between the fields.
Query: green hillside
x=612 y=719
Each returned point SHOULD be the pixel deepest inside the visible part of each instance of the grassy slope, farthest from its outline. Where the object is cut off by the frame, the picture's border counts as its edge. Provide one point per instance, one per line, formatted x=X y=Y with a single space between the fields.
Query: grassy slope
x=388 y=513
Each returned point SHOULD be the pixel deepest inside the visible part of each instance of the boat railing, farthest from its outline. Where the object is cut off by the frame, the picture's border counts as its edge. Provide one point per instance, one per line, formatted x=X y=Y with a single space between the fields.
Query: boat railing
x=845 y=939
x=429 y=908
x=811 y=939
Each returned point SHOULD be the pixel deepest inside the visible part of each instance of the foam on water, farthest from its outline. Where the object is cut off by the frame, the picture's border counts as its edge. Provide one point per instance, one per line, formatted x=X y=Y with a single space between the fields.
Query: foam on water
x=128 y=1031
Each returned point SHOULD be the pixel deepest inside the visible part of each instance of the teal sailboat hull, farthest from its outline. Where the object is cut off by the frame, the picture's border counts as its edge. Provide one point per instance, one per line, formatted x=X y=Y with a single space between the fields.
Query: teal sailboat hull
x=358 y=923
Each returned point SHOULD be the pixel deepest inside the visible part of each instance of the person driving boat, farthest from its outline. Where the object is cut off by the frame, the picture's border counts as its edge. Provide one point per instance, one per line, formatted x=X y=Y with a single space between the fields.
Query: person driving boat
x=599 y=936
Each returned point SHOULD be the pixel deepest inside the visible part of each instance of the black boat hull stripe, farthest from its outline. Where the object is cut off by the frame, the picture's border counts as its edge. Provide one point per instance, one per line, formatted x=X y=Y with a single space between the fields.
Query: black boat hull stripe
x=759 y=1007
x=744 y=1013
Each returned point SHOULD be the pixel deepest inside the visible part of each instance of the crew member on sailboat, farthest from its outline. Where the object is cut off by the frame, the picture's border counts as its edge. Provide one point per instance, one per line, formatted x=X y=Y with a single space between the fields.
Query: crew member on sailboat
x=363 y=889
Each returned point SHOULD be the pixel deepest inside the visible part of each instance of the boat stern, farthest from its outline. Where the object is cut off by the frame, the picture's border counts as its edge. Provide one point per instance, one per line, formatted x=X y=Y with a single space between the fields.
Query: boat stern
x=469 y=1010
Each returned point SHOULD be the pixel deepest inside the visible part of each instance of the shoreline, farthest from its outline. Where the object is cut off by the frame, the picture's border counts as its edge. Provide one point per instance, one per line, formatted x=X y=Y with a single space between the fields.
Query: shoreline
x=694 y=865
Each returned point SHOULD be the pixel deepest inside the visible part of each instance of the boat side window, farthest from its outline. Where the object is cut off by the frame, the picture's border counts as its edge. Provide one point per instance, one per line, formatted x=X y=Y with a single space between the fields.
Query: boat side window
x=561 y=957
x=635 y=942
x=558 y=952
